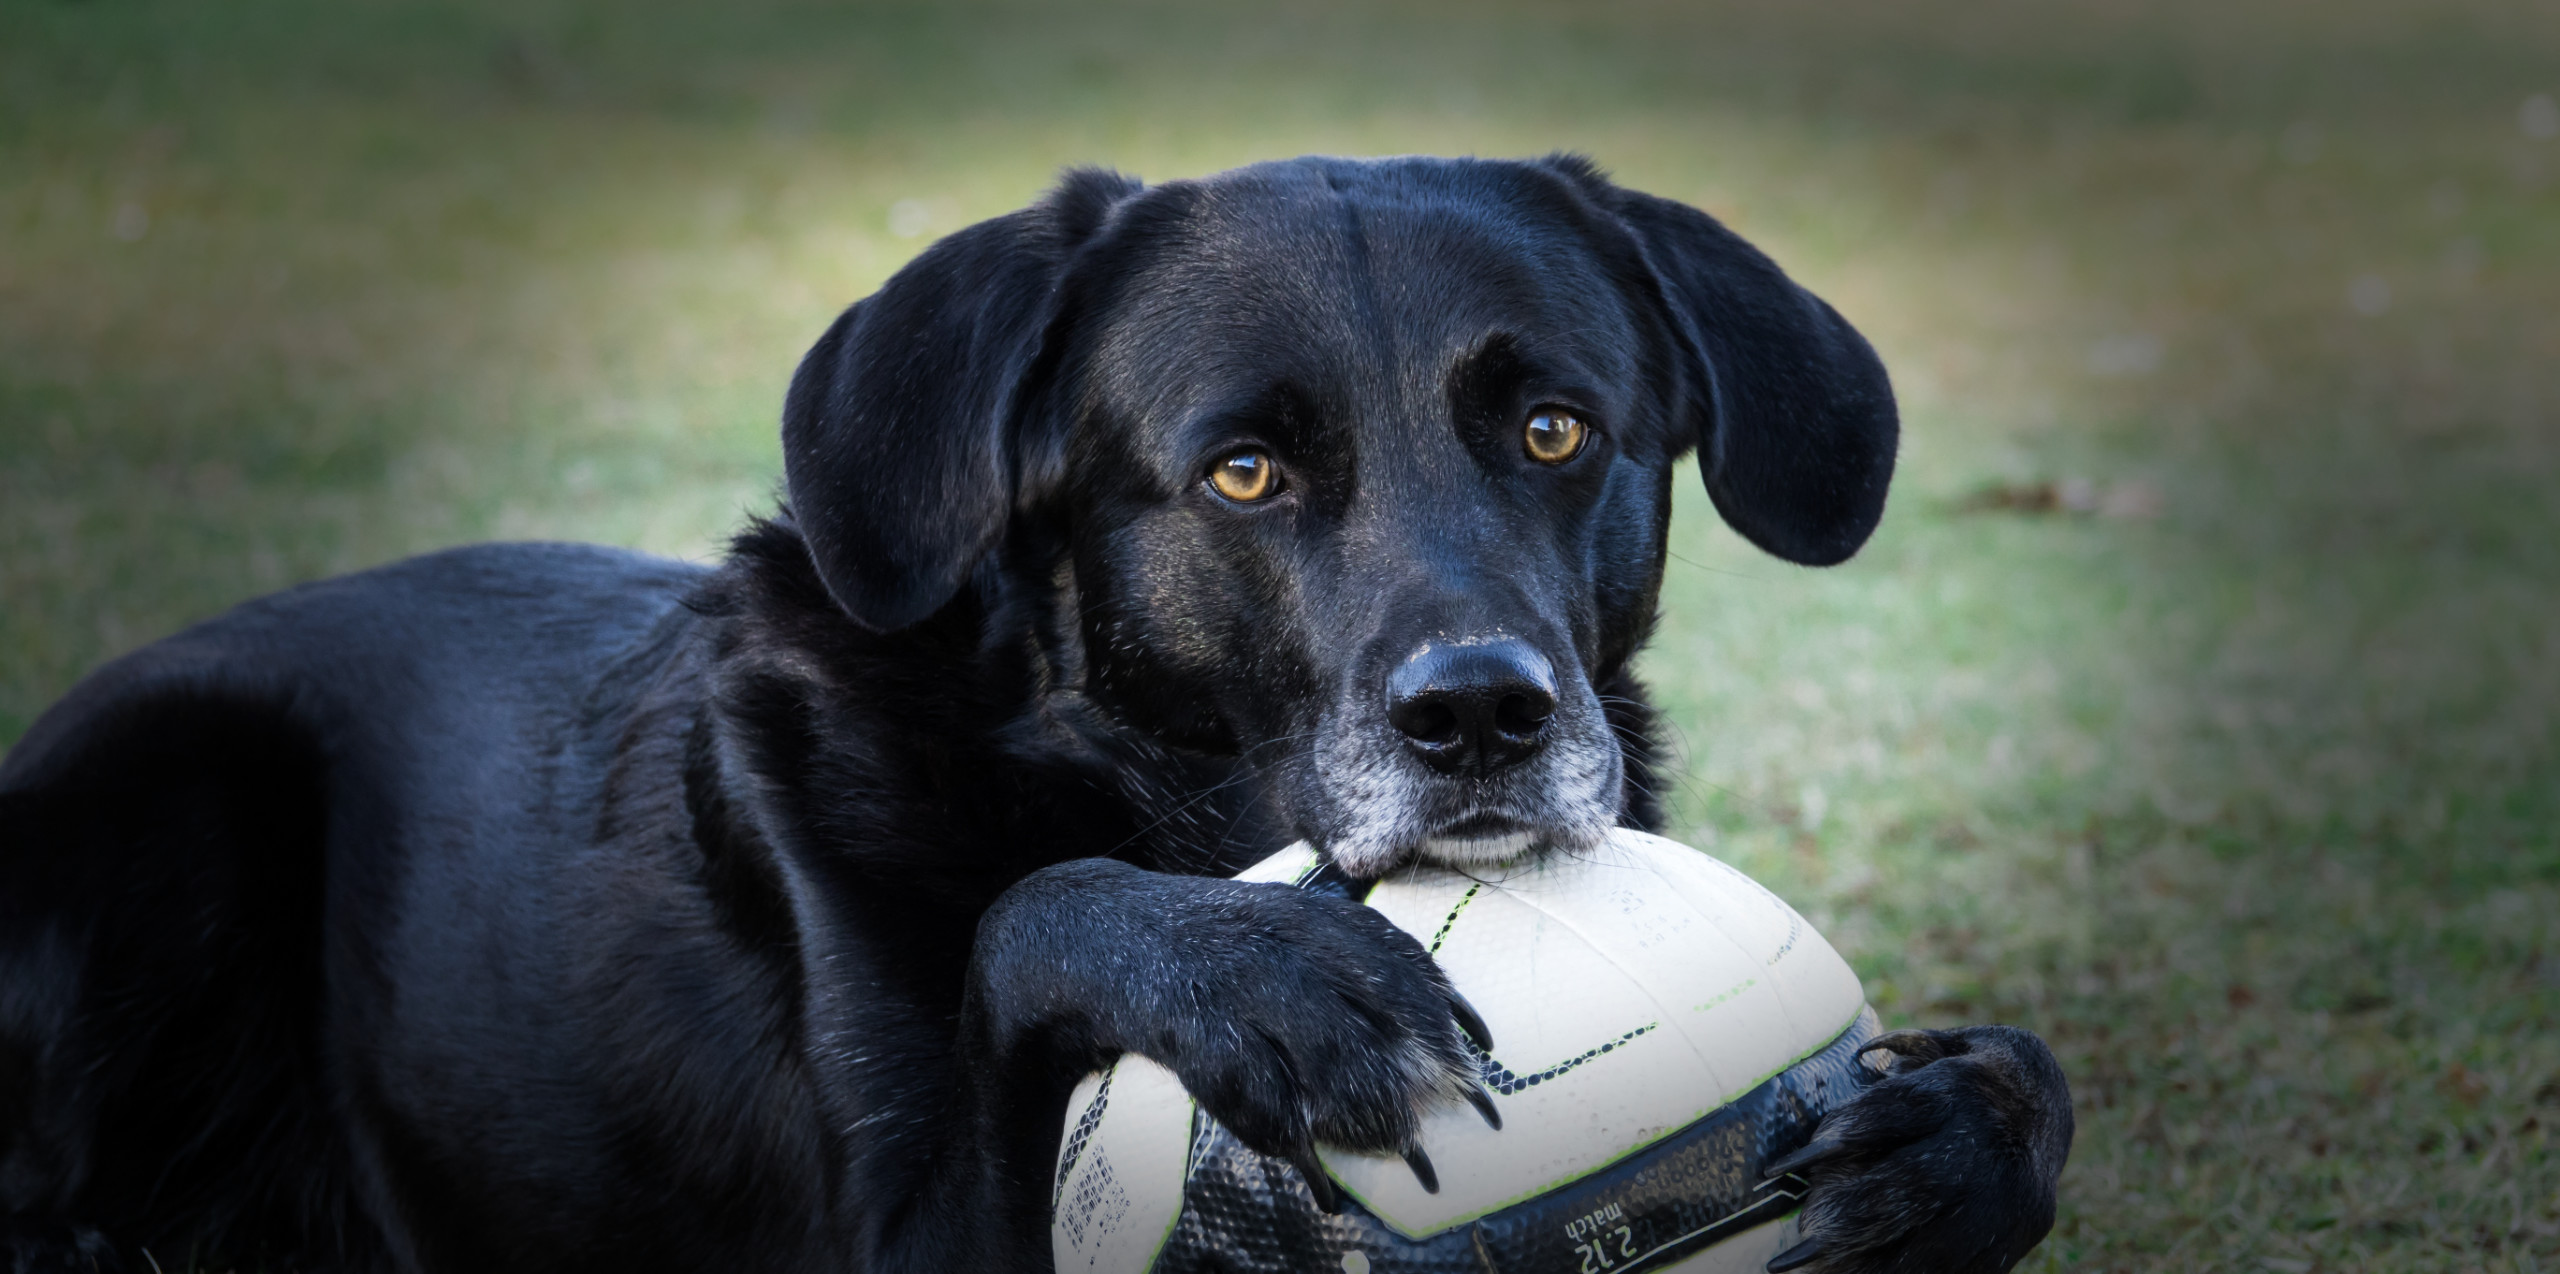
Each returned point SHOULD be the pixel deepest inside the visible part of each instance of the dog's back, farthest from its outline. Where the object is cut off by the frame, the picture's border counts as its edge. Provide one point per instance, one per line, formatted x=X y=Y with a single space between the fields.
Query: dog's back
x=184 y=835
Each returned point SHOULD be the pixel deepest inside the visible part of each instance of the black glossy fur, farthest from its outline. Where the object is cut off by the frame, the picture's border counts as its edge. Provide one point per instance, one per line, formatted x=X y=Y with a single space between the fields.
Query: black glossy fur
x=544 y=907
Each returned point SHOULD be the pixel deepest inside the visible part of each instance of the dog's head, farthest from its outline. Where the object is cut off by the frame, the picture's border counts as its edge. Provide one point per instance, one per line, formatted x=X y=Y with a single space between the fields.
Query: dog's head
x=1358 y=470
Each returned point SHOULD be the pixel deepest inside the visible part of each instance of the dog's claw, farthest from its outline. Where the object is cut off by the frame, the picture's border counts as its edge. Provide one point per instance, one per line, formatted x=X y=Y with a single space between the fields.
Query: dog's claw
x=1471 y=1022
x=1422 y=1170
x=1906 y=1043
x=1801 y=1254
x=1321 y=1186
x=1805 y=1156
x=1483 y=1102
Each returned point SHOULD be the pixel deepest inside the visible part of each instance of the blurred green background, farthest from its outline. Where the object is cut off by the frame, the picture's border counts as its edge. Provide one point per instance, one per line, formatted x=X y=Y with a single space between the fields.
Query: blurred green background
x=2194 y=705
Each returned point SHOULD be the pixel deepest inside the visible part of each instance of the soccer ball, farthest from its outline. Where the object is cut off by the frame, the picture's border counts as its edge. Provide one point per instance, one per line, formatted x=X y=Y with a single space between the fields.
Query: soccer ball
x=1663 y=1027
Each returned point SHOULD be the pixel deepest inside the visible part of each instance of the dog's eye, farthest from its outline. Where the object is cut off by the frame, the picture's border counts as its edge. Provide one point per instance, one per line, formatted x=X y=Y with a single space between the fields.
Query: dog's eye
x=1246 y=476
x=1554 y=437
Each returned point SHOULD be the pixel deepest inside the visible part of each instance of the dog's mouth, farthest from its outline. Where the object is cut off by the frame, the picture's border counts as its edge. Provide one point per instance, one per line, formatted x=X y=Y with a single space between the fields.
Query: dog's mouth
x=1482 y=826
x=1484 y=837
x=1489 y=839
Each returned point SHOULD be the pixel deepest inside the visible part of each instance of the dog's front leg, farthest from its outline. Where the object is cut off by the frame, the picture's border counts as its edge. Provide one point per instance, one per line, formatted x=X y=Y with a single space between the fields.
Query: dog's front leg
x=1946 y=1165
x=1293 y=1018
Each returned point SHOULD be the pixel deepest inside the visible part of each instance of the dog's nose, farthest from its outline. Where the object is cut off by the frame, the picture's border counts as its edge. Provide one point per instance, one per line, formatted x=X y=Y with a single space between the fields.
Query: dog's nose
x=1473 y=709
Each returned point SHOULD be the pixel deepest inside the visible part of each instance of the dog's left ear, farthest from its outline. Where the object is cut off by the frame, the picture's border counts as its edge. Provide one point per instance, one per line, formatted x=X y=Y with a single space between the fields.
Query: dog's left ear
x=897 y=444
x=1794 y=417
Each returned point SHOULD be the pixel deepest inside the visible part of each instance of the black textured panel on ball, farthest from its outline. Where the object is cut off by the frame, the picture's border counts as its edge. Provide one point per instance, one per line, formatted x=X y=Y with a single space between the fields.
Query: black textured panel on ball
x=1245 y=1214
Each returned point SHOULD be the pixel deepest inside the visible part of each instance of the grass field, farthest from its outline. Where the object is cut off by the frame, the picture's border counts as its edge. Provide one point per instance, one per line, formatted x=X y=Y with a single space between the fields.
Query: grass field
x=2195 y=705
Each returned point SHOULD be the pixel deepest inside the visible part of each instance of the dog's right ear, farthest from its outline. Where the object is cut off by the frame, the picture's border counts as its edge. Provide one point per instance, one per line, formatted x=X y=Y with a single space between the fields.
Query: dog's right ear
x=1791 y=410
x=897 y=445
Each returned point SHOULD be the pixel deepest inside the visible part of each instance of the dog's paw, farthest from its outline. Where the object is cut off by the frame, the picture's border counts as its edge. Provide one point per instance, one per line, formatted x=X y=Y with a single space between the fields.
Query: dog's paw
x=1293 y=1018
x=1946 y=1165
x=1308 y=1019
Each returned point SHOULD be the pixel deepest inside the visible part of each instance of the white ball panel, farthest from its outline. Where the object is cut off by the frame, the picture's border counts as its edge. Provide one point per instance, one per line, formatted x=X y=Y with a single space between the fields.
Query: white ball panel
x=1644 y=947
x=1120 y=1196
x=1798 y=994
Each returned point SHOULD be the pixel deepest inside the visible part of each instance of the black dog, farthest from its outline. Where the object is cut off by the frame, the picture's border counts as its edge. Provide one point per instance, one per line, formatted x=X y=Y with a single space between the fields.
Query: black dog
x=547 y=908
